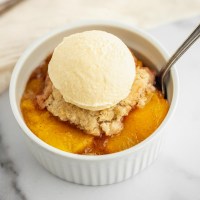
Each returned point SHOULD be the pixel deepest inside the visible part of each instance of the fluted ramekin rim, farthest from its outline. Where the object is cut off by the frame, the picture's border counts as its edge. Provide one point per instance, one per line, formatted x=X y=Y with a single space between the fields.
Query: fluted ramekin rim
x=38 y=141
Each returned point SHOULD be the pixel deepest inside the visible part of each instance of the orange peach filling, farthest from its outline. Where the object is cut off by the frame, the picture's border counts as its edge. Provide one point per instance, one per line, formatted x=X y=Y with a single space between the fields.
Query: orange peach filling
x=138 y=125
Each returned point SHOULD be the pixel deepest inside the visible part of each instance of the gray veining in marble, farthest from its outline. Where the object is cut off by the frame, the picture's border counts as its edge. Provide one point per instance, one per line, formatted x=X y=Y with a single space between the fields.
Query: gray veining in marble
x=174 y=176
x=8 y=176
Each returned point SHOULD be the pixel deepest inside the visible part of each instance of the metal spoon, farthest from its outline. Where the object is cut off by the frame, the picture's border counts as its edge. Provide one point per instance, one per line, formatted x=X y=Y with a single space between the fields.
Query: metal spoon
x=160 y=78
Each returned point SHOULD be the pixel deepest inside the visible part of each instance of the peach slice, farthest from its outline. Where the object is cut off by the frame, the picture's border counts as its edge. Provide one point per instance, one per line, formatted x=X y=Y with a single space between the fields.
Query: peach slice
x=139 y=124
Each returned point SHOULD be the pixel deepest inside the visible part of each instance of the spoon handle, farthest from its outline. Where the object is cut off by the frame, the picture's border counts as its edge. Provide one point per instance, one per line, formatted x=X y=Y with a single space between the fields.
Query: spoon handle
x=180 y=51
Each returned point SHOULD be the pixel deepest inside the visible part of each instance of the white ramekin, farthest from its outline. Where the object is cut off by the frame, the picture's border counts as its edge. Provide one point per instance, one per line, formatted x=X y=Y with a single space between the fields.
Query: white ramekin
x=83 y=169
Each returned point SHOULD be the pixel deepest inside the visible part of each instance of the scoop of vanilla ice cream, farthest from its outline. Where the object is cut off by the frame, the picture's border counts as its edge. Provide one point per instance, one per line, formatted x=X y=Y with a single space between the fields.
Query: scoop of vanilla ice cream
x=93 y=70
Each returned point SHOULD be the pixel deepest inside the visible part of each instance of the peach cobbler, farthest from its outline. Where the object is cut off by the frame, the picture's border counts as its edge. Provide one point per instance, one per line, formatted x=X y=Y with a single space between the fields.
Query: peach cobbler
x=92 y=96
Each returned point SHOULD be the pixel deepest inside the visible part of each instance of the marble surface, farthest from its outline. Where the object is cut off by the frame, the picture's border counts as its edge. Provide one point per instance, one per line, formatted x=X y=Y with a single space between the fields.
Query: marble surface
x=174 y=176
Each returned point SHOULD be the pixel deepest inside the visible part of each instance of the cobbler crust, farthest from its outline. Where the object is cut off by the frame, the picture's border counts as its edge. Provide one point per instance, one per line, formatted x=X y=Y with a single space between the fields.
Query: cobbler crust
x=108 y=121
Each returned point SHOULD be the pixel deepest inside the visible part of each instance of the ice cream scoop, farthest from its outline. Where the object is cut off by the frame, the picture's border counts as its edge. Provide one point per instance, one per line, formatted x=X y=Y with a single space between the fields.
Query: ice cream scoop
x=93 y=70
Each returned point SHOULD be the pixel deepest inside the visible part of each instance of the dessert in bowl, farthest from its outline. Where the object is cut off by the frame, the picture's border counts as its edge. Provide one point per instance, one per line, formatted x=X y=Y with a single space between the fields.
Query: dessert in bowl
x=91 y=111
